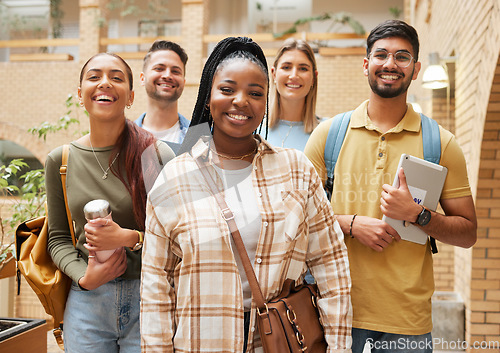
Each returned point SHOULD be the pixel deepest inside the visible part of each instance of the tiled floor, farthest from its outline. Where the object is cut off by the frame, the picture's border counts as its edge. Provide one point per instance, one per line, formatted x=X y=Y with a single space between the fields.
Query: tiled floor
x=52 y=346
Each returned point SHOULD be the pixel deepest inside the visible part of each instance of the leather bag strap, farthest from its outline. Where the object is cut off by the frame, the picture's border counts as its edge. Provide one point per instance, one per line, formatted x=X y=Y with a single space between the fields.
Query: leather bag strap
x=63 y=170
x=228 y=216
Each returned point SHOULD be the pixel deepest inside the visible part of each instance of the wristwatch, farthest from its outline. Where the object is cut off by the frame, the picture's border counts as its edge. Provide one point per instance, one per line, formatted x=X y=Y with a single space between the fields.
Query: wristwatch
x=138 y=245
x=423 y=217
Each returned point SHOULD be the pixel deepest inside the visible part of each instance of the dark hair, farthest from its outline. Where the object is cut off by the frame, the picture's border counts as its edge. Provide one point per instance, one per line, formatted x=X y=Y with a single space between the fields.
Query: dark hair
x=165 y=45
x=393 y=28
x=127 y=68
x=130 y=144
x=227 y=49
x=309 y=115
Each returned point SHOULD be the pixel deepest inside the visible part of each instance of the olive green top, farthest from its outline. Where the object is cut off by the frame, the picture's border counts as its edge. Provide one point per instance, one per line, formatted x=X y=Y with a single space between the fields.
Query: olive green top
x=85 y=183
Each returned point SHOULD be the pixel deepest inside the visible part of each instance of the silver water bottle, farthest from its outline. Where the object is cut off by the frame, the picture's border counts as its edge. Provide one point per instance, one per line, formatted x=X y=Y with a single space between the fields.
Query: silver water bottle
x=99 y=209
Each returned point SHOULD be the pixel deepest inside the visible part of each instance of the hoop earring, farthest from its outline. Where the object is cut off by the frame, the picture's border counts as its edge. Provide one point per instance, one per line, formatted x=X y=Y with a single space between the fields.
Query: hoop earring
x=207 y=107
x=81 y=104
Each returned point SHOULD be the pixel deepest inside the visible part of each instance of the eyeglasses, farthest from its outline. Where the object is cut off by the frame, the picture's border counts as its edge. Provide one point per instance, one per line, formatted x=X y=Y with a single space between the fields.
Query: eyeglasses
x=401 y=58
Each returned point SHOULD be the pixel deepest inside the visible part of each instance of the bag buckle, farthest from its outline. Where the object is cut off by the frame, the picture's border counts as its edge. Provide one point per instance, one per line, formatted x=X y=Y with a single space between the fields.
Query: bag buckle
x=227 y=214
x=290 y=320
x=267 y=310
x=300 y=339
x=313 y=299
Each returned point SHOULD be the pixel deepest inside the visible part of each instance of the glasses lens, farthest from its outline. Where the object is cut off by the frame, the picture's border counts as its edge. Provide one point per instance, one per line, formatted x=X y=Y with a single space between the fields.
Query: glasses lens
x=380 y=57
x=403 y=59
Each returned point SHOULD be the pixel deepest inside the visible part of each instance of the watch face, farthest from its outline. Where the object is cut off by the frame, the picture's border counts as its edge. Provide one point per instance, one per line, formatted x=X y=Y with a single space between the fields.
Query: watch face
x=424 y=217
x=137 y=246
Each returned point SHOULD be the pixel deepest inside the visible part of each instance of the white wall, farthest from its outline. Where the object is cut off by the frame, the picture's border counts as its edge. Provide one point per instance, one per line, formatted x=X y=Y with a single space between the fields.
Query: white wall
x=236 y=16
x=228 y=16
x=369 y=13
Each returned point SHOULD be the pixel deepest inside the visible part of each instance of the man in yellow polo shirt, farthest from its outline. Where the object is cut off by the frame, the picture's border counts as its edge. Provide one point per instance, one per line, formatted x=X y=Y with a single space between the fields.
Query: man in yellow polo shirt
x=392 y=279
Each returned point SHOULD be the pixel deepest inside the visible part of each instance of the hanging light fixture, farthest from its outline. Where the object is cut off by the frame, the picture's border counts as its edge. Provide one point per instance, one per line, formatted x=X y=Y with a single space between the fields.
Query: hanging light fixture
x=436 y=75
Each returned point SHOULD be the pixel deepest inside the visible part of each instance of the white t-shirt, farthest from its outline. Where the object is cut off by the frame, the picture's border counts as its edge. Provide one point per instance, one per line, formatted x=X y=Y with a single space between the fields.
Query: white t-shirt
x=172 y=134
x=240 y=197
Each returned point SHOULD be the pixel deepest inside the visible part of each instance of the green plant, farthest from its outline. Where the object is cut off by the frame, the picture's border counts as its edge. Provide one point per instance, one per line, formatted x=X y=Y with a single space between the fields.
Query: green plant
x=56 y=15
x=395 y=11
x=342 y=18
x=27 y=201
x=16 y=26
x=263 y=23
x=154 y=11
x=27 y=205
x=71 y=117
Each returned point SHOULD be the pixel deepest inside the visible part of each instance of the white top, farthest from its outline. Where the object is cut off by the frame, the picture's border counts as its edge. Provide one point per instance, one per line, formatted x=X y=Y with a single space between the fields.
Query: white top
x=172 y=134
x=240 y=196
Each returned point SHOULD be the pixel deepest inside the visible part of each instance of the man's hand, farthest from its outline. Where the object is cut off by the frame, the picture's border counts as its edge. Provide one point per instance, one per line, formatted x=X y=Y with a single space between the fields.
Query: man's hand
x=371 y=232
x=397 y=203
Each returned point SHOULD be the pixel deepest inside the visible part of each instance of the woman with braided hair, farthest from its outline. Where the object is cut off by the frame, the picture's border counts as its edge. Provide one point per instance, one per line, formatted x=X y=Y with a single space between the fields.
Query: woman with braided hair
x=195 y=296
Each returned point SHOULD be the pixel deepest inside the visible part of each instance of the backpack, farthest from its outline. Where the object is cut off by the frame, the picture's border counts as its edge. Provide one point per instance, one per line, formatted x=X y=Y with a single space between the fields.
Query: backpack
x=34 y=262
x=431 y=145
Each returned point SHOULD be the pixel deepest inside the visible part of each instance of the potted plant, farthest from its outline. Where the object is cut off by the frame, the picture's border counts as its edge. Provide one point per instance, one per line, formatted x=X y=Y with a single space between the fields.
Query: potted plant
x=22 y=197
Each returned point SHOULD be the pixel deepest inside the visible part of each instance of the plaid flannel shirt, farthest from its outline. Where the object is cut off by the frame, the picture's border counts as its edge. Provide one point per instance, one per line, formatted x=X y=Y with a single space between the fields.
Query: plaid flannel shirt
x=191 y=290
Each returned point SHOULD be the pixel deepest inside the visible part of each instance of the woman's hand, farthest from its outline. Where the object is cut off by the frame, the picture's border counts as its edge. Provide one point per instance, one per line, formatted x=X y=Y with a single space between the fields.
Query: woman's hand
x=98 y=273
x=104 y=234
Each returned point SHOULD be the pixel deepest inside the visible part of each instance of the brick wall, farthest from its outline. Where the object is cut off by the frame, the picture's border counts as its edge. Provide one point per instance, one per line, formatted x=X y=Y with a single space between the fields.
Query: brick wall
x=470 y=30
x=485 y=293
x=444 y=274
x=35 y=92
x=342 y=85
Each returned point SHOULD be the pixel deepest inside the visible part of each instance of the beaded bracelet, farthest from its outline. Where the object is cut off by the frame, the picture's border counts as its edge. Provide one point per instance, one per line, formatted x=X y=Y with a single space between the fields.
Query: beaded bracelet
x=350 y=228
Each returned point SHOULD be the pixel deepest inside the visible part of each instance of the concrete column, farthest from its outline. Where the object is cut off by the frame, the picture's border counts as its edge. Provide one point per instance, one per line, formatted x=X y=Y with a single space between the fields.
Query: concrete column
x=194 y=27
x=93 y=27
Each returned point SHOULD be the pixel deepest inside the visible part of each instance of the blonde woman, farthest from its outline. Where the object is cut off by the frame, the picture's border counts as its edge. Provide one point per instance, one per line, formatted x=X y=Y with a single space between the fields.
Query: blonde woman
x=292 y=117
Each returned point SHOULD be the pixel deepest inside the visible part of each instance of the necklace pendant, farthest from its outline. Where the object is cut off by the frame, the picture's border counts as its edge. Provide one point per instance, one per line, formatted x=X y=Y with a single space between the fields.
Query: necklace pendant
x=105 y=175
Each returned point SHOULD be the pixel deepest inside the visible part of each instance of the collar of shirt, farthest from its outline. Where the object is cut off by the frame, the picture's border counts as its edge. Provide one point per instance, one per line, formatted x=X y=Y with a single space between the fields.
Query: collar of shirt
x=360 y=119
x=202 y=147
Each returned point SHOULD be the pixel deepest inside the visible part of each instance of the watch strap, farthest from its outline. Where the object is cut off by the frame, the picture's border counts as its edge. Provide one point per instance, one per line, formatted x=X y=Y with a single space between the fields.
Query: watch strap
x=138 y=245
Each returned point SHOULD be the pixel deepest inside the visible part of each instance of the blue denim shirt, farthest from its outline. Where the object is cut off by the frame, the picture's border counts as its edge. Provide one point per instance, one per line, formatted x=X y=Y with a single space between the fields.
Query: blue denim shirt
x=184 y=125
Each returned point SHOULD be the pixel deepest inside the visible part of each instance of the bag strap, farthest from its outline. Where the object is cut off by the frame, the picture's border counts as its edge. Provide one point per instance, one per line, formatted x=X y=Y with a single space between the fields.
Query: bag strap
x=431 y=140
x=63 y=170
x=334 y=140
x=228 y=216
